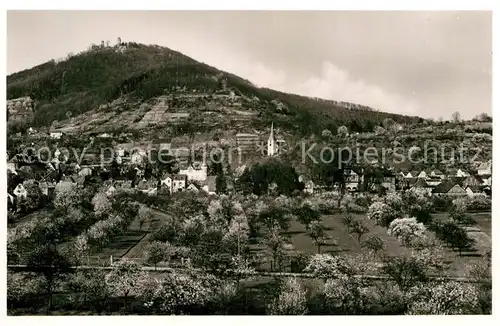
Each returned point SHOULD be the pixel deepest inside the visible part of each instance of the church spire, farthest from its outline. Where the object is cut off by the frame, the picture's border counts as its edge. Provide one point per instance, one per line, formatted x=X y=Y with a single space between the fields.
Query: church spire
x=271 y=135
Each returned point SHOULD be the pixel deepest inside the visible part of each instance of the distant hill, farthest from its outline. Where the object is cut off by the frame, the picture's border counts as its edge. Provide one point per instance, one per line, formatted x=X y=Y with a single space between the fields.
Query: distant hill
x=136 y=86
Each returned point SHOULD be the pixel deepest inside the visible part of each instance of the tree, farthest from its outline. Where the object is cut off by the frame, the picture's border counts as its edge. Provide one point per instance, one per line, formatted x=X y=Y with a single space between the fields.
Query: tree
x=461 y=241
x=406 y=271
x=291 y=300
x=342 y=131
x=382 y=213
x=47 y=261
x=92 y=288
x=326 y=133
x=346 y=294
x=358 y=228
x=484 y=117
x=34 y=196
x=144 y=215
x=317 y=234
x=453 y=234
x=458 y=212
x=237 y=233
x=379 y=131
x=347 y=220
x=443 y=298
x=387 y=123
x=102 y=205
x=374 y=243
x=306 y=214
x=66 y=194
x=481 y=273
x=174 y=293
x=220 y=184
x=20 y=287
x=274 y=242
x=456 y=117
x=325 y=266
x=417 y=204
x=82 y=246
x=156 y=252
x=124 y=279
x=406 y=230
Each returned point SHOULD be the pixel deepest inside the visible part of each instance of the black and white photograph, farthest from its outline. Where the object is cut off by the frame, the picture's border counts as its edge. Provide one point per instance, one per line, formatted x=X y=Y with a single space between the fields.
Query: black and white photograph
x=259 y=162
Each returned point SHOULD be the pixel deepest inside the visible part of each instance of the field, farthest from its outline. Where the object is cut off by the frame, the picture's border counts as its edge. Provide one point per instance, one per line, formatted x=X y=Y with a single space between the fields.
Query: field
x=341 y=241
x=132 y=244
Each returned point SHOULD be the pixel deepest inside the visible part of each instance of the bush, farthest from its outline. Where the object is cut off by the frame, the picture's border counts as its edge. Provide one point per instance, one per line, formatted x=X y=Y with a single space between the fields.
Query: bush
x=441 y=203
x=479 y=203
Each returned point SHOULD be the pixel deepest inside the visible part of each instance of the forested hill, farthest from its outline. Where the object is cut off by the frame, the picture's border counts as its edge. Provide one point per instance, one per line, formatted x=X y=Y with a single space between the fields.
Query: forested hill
x=141 y=73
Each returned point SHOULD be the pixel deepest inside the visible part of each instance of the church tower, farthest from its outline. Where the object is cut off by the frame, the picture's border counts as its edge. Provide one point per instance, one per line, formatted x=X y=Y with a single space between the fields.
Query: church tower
x=272 y=147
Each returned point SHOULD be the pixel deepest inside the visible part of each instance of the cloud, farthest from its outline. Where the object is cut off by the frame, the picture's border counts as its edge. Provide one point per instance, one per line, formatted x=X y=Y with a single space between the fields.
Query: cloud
x=332 y=83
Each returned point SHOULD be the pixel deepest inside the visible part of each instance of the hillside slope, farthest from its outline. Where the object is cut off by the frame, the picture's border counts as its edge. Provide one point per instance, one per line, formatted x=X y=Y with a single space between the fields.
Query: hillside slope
x=138 y=87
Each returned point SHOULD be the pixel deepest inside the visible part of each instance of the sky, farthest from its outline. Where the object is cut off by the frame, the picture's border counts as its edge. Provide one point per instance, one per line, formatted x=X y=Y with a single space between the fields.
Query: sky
x=429 y=64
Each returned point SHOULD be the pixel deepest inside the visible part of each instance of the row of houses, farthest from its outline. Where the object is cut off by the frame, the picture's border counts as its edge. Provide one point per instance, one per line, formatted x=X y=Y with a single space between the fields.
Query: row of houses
x=434 y=182
x=168 y=183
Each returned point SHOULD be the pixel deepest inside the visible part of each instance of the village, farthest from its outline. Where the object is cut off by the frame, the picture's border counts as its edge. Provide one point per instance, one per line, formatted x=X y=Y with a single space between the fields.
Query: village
x=356 y=181
x=194 y=176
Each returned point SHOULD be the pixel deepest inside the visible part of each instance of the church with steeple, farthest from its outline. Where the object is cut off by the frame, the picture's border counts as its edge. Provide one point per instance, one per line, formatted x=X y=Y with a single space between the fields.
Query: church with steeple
x=272 y=144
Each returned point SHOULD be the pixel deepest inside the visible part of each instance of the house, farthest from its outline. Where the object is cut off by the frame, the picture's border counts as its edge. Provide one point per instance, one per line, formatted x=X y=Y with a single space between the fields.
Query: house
x=422 y=175
x=210 y=185
x=309 y=187
x=77 y=179
x=192 y=187
x=433 y=181
x=421 y=185
x=104 y=135
x=11 y=167
x=120 y=151
x=47 y=188
x=308 y=184
x=462 y=173
x=123 y=184
x=152 y=191
x=55 y=134
x=473 y=191
x=437 y=174
x=86 y=171
x=449 y=188
x=20 y=191
x=146 y=186
x=409 y=175
x=402 y=174
x=272 y=187
x=14 y=163
x=458 y=173
x=174 y=183
x=388 y=180
x=197 y=172
x=352 y=180
x=11 y=203
x=473 y=180
x=484 y=168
